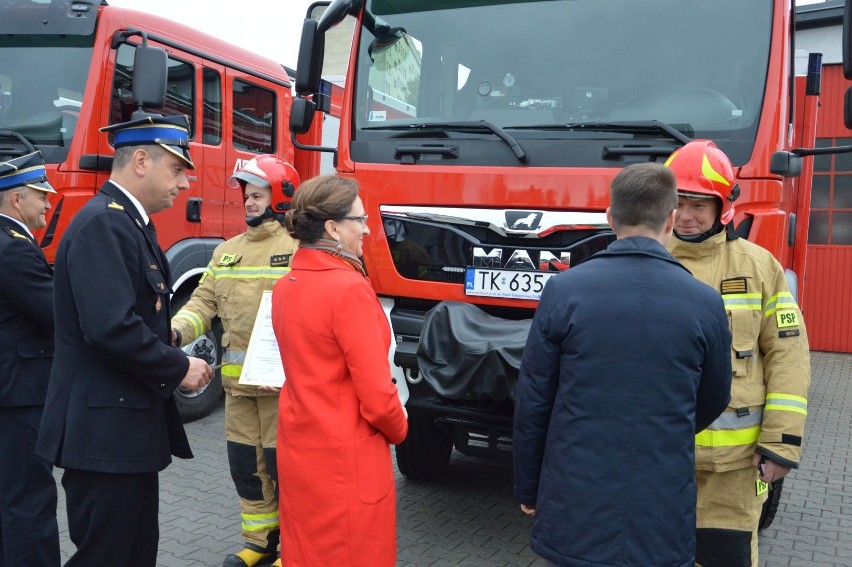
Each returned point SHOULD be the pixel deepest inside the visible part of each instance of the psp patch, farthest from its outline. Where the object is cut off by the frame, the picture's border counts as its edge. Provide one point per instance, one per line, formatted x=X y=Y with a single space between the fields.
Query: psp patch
x=229 y=259
x=787 y=318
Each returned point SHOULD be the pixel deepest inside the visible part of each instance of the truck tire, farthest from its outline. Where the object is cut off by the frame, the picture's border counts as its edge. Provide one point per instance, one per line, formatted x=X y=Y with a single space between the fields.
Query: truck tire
x=770 y=507
x=425 y=453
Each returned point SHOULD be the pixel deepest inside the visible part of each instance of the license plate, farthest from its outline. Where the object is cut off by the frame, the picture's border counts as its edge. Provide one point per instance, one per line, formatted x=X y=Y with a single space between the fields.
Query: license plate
x=510 y=284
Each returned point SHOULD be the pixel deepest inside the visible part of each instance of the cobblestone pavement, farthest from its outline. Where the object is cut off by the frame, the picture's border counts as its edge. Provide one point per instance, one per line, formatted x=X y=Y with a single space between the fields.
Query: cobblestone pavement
x=468 y=518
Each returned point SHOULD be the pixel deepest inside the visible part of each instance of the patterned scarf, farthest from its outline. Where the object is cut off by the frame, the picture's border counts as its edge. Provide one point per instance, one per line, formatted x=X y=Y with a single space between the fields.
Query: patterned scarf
x=339 y=251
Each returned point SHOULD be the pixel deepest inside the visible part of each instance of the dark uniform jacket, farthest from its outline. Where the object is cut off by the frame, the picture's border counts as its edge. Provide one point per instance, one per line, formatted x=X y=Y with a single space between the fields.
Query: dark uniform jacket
x=627 y=357
x=26 y=318
x=109 y=406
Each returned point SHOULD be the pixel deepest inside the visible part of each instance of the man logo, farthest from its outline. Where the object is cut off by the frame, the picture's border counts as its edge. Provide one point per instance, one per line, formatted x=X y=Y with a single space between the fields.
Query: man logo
x=523 y=220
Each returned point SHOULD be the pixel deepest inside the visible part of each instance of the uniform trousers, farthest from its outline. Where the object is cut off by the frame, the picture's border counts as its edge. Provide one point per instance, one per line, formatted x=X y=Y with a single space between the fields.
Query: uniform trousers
x=251 y=425
x=28 y=530
x=728 y=512
x=112 y=518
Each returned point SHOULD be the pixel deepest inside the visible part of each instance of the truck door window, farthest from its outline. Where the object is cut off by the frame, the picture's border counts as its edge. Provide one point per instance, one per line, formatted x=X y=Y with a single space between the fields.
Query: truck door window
x=254 y=118
x=211 y=127
x=180 y=88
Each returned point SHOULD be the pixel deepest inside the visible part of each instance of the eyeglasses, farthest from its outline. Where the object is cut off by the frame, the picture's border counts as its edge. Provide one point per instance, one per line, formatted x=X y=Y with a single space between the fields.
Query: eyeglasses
x=362 y=220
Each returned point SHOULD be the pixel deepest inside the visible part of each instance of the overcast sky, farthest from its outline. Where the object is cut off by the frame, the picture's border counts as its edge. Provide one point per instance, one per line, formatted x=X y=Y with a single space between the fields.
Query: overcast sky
x=269 y=27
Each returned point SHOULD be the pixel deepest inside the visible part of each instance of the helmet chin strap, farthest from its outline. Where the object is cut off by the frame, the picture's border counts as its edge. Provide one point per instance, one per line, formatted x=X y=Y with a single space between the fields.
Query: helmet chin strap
x=696 y=238
x=261 y=218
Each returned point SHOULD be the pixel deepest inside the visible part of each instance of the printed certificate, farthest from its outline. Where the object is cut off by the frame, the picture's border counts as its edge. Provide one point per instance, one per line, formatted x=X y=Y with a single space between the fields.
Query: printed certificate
x=263 y=366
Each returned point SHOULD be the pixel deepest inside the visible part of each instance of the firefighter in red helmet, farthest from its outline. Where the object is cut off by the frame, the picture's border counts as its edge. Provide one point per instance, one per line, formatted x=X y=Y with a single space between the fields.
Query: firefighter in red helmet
x=758 y=439
x=240 y=270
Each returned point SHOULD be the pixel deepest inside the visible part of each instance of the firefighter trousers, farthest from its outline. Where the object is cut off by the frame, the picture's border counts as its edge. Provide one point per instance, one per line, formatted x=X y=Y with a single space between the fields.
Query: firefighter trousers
x=250 y=429
x=29 y=533
x=728 y=512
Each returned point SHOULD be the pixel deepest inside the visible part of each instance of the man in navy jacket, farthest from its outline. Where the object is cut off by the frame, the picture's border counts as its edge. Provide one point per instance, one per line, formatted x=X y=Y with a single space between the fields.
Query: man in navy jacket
x=28 y=531
x=627 y=358
x=110 y=420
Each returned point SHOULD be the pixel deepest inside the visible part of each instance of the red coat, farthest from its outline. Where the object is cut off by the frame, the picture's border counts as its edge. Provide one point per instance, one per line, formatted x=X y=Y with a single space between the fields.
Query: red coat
x=338 y=413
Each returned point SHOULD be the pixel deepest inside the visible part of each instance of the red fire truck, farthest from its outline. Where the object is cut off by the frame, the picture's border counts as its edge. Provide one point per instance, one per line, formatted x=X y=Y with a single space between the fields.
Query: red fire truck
x=484 y=135
x=72 y=67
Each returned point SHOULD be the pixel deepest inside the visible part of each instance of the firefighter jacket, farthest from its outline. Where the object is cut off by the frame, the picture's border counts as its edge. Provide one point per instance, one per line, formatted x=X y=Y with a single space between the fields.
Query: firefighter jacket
x=769 y=355
x=240 y=270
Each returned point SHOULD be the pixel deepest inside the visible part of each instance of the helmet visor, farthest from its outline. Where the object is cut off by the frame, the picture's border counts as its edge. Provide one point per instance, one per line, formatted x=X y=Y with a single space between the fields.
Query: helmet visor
x=240 y=178
x=694 y=196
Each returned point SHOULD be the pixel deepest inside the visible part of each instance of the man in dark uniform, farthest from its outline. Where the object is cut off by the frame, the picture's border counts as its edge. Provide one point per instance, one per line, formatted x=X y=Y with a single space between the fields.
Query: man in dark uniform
x=28 y=530
x=110 y=420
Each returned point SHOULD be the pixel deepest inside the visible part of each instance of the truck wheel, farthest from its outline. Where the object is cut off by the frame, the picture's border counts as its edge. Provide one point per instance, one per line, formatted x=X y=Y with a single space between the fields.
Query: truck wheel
x=770 y=507
x=195 y=405
x=426 y=450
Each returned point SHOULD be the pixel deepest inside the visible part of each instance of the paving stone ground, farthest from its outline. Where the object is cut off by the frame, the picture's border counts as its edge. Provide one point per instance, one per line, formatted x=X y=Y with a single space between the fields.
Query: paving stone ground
x=468 y=517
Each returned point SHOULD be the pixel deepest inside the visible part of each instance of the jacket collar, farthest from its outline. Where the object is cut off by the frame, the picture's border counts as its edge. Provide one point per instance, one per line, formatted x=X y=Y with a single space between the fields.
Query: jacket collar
x=638 y=245
x=118 y=195
x=309 y=259
x=112 y=191
x=265 y=230
x=697 y=250
x=16 y=225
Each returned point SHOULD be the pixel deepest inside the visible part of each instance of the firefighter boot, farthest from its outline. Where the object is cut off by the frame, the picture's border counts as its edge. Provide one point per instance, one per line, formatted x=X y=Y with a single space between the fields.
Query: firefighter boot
x=249 y=557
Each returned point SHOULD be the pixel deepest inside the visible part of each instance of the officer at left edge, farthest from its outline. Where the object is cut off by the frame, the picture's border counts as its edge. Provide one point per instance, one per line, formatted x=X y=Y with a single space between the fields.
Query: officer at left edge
x=28 y=529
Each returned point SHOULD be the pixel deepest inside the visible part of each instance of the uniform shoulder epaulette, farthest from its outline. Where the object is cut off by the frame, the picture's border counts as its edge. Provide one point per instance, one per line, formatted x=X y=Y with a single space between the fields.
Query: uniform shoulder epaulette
x=114 y=205
x=16 y=234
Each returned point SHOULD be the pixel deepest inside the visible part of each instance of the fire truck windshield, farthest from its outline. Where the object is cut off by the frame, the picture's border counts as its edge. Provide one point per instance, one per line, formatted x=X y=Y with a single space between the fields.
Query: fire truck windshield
x=519 y=65
x=41 y=88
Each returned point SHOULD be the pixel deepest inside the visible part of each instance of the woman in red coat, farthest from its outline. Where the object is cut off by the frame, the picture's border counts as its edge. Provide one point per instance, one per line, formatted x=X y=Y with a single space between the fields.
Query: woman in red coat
x=339 y=410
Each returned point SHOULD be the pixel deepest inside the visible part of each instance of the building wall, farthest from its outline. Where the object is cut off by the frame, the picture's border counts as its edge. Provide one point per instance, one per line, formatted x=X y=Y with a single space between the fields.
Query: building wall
x=828 y=270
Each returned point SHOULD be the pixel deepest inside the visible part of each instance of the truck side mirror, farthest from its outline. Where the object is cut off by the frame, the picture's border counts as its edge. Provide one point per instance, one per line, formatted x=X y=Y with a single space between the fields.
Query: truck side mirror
x=785 y=164
x=309 y=63
x=301 y=115
x=149 y=76
x=847 y=108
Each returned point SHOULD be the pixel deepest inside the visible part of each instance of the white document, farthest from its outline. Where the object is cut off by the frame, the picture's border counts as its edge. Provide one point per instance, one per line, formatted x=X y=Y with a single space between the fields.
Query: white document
x=263 y=365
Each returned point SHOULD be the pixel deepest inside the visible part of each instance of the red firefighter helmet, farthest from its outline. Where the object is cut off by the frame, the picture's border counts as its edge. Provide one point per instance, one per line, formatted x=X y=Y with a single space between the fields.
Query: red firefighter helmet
x=269 y=171
x=702 y=169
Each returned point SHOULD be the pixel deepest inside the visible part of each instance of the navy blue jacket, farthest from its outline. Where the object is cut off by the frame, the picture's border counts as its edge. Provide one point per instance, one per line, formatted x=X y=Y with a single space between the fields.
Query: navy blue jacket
x=26 y=318
x=109 y=404
x=627 y=358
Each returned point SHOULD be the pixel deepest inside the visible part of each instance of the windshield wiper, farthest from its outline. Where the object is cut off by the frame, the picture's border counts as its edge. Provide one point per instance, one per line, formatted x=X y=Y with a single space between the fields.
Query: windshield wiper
x=463 y=125
x=629 y=126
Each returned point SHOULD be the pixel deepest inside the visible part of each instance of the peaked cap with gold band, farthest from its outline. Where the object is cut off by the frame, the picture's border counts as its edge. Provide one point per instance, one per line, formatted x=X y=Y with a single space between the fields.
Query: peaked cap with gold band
x=169 y=132
x=25 y=171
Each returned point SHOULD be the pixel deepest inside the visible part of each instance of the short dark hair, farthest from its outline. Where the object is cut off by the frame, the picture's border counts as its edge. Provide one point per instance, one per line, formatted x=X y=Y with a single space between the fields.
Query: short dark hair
x=123 y=154
x=322 y=198
x=643 y=194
